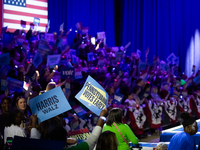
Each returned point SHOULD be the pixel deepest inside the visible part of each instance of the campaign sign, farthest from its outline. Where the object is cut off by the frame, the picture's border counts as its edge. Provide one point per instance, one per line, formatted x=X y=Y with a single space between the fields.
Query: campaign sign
x=36 y=21
x=67 y=73
x=79 y=110
x=5 y=69
x=49 y=37
x=197 y=79
x=101 y=35
x=4 y=59
x=176 y=61
x=43 y=48
x=101 y=62
x=33 y=144
x=53 y=60
x=74 y=59
x=138 y=53
x=93 y=96
x=163 y=66
x=78 y=74
x=3 y=81
x=15 y=85
x=3 y=30
x=72 y=52
x=142 y=66
x=49 y=104
x=62 y=26
x=67 y=87
x=118 y=56
x=90 y=56
x=37 y=60
x=115 y=49
x=81 y=134
x=118 y=98
x=171 y=58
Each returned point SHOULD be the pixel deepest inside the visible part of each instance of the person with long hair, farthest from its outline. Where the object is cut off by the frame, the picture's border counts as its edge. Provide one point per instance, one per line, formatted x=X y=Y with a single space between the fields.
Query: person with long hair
x=22 y=106
x=107 y=141
x=123 y=132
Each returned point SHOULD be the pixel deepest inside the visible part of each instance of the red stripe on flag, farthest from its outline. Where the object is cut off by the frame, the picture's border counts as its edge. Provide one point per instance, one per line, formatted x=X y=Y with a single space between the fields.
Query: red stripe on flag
x=12 y=30
x=42 y=1
x=19 y=22
x=1 y=14
x=25 y=14
x=36 y=7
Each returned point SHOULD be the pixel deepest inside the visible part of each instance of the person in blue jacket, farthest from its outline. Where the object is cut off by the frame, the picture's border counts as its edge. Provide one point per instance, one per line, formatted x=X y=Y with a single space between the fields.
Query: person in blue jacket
x=185 y=140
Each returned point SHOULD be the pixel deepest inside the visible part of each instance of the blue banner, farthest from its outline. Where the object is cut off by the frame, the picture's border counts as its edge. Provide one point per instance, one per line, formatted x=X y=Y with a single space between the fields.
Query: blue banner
x=37 y=60
x=49 y=104
x=93 y=96
x=67 y=73
x=4 y=59
x=118 y=98
x=15 y=85
x=90 y=56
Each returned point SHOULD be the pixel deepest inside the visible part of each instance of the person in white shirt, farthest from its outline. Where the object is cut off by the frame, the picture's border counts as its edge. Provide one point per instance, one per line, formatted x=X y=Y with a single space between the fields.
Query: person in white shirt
x=13 y=127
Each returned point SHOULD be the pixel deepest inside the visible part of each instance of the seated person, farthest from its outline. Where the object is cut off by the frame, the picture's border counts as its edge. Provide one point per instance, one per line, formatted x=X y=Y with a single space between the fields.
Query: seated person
x=184 y=140
x=122 y=131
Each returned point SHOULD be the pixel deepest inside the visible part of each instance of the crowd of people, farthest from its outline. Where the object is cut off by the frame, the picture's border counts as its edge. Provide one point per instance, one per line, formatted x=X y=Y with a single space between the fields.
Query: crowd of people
x=152 y=96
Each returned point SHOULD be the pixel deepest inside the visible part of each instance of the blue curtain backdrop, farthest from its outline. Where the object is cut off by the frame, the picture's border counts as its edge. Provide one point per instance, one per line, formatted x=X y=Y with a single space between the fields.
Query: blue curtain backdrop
x=165 y=26
x=98 y=15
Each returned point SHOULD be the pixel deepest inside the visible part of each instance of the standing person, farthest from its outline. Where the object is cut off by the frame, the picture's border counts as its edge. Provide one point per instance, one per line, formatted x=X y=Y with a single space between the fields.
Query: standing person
x=184 y=140
x=122 y=131
x=4 y=116
x=46 y=76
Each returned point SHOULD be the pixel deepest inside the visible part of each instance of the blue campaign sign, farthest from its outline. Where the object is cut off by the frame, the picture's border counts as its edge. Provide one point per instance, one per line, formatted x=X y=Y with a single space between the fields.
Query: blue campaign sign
x=118 y=98
x=37 y=60
x=15 y=85
x=74 y=59
x=49 y=104
x=4 y=59
x=3 y=81
x=78 y=74
x=53 y=60
x=43 y=47
x=197 y=79
x=79 y=110
x=36 y=21
x=93 y=96
x=90 y=56
x=67 y=73
x=5 y=69
x=142 y=66
x=72 y=52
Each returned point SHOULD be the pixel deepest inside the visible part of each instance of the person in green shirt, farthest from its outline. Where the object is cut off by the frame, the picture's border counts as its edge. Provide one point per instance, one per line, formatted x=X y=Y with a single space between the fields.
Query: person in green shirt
x=115 y=116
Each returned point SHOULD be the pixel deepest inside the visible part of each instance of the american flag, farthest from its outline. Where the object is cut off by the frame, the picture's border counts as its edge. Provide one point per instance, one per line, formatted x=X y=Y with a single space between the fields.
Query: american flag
x=19 y=14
